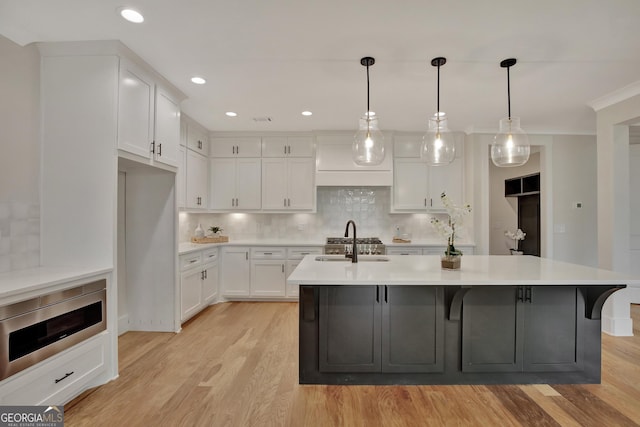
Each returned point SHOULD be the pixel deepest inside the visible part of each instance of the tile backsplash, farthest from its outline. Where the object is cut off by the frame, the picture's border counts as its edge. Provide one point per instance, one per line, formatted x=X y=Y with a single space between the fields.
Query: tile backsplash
x=19 y=236
x=367 y=206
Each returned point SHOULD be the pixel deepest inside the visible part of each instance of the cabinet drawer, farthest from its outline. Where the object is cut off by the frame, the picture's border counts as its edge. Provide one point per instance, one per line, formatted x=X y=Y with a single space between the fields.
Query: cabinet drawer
x=209 y=255
x=268 y=253
x=404 y=251
x=57 y=379
x=191 y=260
x=301 y=252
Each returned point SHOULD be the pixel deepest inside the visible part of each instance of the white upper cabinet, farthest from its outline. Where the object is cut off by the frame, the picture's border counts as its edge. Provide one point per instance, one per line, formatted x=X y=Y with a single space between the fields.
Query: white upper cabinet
x=135 y=110
x=417 y=186
x=148 y=116
x=197 y=180
x=197 y=139
x=167 y=128
x=287 y=146
x=235 y=147
x=287 y=184
x=235 y=184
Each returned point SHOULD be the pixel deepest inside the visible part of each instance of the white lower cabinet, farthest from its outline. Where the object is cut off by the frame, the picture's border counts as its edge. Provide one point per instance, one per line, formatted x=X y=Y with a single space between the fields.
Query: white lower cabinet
x=268 y=272
x=211 y=280
x=190 y=293
x=261 y=272
x=198 y=281
x=60 y=378
x=235 y=274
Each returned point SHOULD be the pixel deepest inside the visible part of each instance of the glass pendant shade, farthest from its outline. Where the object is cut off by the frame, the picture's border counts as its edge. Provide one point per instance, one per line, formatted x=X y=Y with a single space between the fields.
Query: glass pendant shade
x=438 y=144
x=368 y=143
x=511 y=145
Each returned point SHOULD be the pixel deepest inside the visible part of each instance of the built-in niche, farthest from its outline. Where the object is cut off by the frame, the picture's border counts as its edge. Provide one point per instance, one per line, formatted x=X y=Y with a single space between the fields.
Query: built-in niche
x=527 y=190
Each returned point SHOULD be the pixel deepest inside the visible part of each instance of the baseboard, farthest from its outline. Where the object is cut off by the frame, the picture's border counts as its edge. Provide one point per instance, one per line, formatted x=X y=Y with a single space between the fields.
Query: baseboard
x=123 y=324
x=619 y=327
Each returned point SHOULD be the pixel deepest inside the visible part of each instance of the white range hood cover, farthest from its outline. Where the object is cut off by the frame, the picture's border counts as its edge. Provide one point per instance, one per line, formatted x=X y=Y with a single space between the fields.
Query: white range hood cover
x=335 y=165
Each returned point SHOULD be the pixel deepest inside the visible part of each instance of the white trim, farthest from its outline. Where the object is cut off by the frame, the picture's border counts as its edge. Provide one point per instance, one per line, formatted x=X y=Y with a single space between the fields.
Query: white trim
x=616 y=96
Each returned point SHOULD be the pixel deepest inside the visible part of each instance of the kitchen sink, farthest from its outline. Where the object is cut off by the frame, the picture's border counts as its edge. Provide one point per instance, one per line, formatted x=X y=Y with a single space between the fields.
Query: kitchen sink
x=361 y=258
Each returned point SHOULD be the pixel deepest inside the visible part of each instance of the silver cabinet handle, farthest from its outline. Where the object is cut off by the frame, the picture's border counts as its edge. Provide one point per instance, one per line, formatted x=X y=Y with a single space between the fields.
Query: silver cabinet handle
x=160 y=150
x=285 y=202
x=246 y=256
x=268 y=253
x=192 y=261
x=283 y=268
x=153 y=147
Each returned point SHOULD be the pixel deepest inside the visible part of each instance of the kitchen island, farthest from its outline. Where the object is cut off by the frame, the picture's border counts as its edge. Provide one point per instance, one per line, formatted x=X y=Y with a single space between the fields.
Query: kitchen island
x=404 y=320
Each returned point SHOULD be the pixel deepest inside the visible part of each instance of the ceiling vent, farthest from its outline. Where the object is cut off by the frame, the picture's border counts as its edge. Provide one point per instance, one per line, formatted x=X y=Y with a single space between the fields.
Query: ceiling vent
x=262 y=119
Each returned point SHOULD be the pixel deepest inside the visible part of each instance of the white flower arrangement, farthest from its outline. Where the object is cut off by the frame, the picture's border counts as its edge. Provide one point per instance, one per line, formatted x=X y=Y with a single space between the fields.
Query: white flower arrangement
x=447 y=229
x=516 y=237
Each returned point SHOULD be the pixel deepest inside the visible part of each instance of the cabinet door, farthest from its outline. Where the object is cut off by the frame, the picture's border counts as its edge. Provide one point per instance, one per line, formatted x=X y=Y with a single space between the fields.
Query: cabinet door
x=210 y=283
x=167 y=128
x=412 y=329
x=274 y=183
x=287 y=146
x=235 y=277
x=235 y=147
x=410 y=184
x=447 y=179
x=248 y=184
x=267 y=278
x=349 y=329
x=135 y=110
x=197 y=180
x=190 y=293
x=181 y=178
x=301 y=189
x=222 y=183
x=551 y=329
x=197 y=140
x=491 y=330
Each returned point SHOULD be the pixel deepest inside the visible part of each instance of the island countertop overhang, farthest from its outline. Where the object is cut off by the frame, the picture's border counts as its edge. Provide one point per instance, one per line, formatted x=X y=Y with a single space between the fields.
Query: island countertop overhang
x=477 y=270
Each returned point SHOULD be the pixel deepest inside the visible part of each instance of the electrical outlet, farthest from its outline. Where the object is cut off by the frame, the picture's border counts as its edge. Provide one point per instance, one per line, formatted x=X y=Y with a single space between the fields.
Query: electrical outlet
x=301 y=227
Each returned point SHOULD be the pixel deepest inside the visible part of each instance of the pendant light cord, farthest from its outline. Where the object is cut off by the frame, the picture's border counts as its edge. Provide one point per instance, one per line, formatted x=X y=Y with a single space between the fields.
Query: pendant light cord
x=509 y=93
x=368 y=113
x=438 y=95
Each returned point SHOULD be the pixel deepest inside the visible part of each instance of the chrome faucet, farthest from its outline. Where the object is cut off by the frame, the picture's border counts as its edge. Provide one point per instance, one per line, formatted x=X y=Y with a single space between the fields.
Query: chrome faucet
x=354 y=250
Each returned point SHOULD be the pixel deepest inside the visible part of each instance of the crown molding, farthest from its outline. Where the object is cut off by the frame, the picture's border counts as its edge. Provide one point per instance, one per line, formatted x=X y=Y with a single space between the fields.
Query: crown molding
x=615 y=97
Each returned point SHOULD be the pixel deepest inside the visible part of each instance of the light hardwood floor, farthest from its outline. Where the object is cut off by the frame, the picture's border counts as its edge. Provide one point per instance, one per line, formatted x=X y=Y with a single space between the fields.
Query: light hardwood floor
x=236 y=365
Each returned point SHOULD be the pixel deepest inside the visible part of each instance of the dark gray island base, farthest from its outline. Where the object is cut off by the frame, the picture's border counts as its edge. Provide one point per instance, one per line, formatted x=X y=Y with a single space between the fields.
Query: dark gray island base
x=411 y=334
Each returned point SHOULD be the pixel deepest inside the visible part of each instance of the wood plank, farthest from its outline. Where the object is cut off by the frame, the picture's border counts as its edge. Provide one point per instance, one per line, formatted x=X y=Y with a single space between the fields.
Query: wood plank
x=236 y=364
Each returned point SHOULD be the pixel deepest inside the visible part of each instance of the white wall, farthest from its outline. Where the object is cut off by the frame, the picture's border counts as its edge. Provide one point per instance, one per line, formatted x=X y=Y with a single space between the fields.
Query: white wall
x=20 y=159
x=503 y=211
x=574 y=181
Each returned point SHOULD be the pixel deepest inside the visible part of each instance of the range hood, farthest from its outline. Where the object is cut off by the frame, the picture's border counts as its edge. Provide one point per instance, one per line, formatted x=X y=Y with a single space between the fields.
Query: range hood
x=335 y=165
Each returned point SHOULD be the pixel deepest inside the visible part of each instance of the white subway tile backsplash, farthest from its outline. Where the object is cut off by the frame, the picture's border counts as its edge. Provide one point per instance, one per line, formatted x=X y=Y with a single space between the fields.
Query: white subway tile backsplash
x=368 y=206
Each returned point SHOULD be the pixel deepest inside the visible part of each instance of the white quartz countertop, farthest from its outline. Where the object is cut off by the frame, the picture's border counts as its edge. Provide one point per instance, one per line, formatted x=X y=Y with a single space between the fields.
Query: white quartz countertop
x=24 y=284
x=475 y=270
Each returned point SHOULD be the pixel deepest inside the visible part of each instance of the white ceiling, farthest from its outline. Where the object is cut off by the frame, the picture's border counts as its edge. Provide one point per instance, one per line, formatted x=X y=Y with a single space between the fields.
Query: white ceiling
x=278 y=57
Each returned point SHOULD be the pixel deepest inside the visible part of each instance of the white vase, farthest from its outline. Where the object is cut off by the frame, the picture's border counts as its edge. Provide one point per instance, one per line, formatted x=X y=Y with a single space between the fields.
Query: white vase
x=199 y=232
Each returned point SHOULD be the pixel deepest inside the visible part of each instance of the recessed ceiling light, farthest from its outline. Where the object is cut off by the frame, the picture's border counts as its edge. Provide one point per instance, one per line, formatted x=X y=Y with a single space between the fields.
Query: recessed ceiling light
x=131 y=15
x=307 y=113
x=231 y=114
x=198 y=80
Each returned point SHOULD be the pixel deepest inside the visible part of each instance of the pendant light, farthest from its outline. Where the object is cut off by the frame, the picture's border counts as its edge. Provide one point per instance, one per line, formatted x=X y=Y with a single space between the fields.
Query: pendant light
x=438 y=144
x=368 y=143
x=511 y=145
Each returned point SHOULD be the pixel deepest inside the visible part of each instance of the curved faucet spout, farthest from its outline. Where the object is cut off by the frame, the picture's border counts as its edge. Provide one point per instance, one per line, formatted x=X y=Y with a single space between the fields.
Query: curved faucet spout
x=354 y=250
